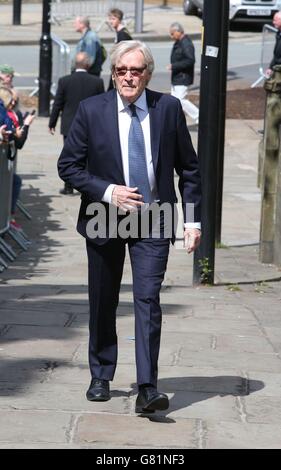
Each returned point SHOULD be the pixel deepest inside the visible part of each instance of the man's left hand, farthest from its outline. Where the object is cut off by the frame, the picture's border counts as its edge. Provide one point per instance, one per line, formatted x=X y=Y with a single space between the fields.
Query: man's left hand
x=192 y=237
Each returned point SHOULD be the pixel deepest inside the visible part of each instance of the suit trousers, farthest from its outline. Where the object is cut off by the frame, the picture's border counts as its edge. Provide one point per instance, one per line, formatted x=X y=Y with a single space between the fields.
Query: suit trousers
x=148 y=258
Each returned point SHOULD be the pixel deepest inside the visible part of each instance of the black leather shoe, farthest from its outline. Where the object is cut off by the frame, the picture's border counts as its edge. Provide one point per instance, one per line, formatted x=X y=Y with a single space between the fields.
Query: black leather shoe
x=98 y=390
x=149 y=400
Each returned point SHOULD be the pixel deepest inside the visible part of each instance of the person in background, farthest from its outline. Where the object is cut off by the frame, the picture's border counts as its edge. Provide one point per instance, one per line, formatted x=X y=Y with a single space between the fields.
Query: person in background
x=71 y=90
x=6 y=75
x=6 y=98
x=21 y=124
x=276 y=60
x=115 y=17
x=182 y=69
x=89 y=43
x=17 y=127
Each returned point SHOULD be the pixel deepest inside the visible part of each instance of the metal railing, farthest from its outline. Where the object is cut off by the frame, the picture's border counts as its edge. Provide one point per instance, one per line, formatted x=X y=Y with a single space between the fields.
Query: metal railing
x=7 y=253
x=267 y=47
x=61 y=61
x=62 y=10
x=6 y=184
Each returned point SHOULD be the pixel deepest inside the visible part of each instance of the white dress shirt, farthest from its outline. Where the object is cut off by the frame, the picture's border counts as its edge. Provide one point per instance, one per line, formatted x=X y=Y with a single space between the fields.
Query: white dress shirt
x=124 y=122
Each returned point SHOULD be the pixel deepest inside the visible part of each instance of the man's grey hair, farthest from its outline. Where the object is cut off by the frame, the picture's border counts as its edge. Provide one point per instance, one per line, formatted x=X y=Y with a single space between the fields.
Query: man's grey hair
x=177 y=27
x=84 y=20
x=82 y=61
x=123 y=47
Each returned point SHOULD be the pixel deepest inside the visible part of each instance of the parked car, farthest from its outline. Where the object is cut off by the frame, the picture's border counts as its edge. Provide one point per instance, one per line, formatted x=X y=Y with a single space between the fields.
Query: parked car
x=192 y=7
x=240 y=10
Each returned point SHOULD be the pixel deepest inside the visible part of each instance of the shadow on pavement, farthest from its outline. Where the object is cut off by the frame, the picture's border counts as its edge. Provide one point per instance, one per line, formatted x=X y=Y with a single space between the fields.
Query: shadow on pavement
x=189 y=390
x=39 y=231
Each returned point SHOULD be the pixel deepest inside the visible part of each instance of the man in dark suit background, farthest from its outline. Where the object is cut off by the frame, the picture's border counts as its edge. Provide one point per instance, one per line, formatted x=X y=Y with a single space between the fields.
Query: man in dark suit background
x=71 y=90
x=126 y=160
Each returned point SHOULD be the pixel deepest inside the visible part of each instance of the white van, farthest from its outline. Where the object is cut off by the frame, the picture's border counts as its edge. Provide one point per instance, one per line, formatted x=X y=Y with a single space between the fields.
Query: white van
x=240 y=10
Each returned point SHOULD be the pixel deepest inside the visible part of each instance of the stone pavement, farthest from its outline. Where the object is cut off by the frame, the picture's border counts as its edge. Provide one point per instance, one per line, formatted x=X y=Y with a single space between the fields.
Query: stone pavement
x=220 y=351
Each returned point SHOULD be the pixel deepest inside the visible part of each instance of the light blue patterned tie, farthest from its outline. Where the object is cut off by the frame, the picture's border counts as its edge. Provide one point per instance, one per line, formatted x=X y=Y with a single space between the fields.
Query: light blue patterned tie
x=138 y=175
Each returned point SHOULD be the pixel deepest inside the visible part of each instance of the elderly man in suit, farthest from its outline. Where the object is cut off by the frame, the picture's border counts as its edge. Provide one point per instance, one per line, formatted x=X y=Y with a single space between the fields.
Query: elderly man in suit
x=121 y=152
x=71 y=90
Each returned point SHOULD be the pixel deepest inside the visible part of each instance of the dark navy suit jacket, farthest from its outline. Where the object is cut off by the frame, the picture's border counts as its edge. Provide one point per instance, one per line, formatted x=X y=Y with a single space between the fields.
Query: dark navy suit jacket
x=91 y=157
x=71 y=90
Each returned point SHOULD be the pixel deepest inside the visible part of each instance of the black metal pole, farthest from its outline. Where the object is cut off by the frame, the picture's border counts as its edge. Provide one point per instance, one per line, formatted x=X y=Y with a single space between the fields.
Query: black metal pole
x=45 y=67
x=208 y=138
x=16 y=12
x=222 y=106
x=139 y=16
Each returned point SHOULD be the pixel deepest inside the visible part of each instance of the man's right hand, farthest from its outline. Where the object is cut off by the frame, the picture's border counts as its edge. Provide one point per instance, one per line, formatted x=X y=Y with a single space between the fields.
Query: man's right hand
x=126 y=198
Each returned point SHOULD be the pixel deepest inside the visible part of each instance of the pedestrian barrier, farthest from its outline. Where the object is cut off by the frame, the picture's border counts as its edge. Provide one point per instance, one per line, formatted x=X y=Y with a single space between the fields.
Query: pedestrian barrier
x=6 y=178
x=267 y=47
x=6 y=186
x=61 y=63
x=62 y=10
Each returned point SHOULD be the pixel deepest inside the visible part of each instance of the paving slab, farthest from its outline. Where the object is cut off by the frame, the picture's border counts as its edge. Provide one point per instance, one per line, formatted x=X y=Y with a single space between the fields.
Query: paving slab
x=203 y=406
x=252 y=361
x=136 y=431
x=227 y=435
x=24 y=427
x=59 y=398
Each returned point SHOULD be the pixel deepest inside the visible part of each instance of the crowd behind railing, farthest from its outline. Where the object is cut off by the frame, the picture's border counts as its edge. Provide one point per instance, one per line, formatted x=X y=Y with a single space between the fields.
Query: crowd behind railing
x=14 y=126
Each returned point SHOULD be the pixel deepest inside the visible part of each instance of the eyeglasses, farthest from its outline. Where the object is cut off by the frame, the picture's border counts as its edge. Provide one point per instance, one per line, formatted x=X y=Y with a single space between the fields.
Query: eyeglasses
x=135 y=72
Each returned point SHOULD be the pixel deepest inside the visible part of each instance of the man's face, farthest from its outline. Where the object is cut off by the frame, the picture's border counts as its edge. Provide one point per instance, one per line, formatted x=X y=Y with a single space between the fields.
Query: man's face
x=131 y=75
x=7 y=79
x=114 y=21
x=175 y=35
x=277 y=21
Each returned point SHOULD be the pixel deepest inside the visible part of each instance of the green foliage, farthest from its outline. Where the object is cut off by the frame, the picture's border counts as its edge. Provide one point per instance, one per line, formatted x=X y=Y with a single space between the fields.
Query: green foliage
x=204 y=264
x=220 y=245
x=234 y=288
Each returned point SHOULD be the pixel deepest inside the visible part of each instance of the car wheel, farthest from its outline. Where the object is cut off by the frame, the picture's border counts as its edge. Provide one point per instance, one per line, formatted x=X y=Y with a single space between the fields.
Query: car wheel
x=189 y=8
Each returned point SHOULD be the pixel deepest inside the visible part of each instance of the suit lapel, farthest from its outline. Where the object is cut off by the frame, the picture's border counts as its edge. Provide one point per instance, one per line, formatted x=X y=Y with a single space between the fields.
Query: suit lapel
x=110 y=113
x=155 y=126
x=111 y=121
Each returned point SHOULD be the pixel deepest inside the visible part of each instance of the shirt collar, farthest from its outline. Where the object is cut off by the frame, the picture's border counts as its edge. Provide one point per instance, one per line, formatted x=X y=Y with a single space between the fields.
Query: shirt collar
x=140 y=103
x=80 y=70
